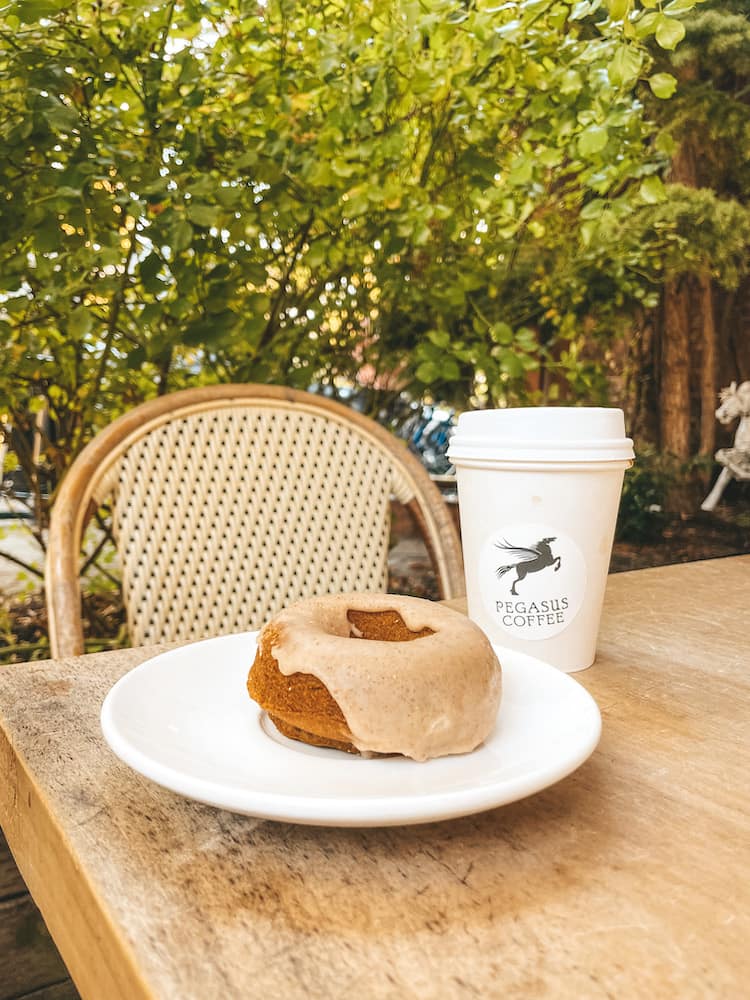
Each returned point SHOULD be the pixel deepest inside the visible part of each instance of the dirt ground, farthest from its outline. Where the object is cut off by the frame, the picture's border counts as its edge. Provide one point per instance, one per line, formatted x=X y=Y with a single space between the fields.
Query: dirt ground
x=687 y=539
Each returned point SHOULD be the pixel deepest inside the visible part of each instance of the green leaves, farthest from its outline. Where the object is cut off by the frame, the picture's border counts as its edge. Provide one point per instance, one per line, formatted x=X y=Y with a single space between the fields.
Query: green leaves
x=501 y=333
x=437 y=359
x=204 y=215
x=149 y=269
x=435 y=191
x=668 y=32
x=592 y=140
x=439 y=338
x=28 y=11
x=181 y=235
x=660 y=20
x=618 y=9
x=625 y=66
x=79 y=323
x=652 y=190
x=663 y=85
x=583 y=9
x=680 y=6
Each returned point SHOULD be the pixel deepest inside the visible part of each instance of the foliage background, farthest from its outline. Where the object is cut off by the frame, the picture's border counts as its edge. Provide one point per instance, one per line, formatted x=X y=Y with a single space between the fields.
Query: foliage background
x=459 y=193
x=480 y=203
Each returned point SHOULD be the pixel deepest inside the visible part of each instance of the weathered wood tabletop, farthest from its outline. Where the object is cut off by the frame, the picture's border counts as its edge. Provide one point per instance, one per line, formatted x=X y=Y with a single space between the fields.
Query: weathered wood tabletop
x=627 y=879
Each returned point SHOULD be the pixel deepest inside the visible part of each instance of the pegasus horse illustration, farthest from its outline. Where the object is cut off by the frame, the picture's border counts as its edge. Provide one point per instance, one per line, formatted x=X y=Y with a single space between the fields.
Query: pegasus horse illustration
x=528 y=560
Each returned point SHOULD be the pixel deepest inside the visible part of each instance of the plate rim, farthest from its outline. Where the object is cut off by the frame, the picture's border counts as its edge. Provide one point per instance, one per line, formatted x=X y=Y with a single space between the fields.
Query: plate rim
x=372 y=811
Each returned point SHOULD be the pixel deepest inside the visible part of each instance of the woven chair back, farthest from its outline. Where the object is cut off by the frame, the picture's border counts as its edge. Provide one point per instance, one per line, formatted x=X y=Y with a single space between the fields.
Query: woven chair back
x=231 y=502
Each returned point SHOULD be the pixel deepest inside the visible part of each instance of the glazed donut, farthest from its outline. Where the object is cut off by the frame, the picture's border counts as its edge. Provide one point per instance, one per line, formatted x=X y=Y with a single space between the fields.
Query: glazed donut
x=377 y=674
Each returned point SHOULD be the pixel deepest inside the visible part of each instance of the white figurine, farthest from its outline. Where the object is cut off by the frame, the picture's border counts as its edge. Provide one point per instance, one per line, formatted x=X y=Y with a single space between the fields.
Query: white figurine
x=735 y=402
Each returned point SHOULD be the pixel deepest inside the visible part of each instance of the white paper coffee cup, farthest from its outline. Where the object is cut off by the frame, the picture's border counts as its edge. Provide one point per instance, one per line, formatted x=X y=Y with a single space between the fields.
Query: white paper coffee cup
x=538 y=492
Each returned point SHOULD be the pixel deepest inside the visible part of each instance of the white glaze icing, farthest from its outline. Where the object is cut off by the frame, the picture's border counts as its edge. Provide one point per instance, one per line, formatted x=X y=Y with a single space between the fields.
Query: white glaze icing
x=423 y=698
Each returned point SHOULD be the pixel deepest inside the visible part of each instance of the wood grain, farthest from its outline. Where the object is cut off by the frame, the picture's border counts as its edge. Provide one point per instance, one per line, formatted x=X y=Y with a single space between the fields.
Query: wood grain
x=628 y=879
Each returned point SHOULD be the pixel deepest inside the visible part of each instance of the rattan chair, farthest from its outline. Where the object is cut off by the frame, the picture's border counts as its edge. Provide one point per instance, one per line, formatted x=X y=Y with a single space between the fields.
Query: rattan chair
x=228 y=502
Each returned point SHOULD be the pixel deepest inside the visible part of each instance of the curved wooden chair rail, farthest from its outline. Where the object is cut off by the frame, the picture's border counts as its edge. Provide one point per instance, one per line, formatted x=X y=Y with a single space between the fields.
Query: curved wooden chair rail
x=230 y=501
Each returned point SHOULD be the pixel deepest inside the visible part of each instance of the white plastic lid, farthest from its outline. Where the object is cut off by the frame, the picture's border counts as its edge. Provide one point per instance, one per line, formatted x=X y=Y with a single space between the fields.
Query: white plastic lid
x=542 y=434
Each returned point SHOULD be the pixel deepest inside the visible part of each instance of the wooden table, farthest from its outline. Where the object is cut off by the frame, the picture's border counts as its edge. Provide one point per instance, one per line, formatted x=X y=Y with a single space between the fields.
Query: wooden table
x=628 y=879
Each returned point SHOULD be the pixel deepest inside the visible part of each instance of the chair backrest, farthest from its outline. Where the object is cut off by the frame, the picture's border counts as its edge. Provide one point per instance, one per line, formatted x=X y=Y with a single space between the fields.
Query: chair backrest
x=229 y=502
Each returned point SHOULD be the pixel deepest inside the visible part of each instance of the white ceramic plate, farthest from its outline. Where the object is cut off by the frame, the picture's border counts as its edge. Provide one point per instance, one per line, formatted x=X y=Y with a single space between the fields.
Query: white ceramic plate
x=184 y=720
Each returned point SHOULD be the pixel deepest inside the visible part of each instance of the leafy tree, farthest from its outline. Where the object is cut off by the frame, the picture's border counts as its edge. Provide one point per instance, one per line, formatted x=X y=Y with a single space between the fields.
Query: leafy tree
x=453 y=196
x=699 y=333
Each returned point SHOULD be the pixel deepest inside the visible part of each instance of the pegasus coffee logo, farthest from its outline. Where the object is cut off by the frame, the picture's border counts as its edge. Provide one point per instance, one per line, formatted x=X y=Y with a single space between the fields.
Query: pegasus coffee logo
x=528 y=559
x=532 y=578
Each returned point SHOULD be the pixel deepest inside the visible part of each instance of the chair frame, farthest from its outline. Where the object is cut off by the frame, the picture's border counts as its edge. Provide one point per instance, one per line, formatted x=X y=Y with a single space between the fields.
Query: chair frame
x=76 y=501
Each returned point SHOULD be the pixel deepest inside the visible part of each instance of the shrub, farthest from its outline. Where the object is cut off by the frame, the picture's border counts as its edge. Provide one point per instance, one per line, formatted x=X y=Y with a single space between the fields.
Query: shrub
x=642 y=515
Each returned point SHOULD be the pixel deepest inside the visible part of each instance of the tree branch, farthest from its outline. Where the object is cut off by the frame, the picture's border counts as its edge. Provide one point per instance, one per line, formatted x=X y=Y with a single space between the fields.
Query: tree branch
x=114 y=313
x=291 y=261
x=24 y=565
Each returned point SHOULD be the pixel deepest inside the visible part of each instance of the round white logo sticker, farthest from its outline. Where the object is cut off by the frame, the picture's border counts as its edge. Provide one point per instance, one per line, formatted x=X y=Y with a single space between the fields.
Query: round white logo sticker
x=533 y=579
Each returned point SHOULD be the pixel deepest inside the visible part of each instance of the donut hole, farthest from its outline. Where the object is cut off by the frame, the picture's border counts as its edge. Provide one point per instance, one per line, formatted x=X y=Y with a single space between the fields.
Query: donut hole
x=385 y=626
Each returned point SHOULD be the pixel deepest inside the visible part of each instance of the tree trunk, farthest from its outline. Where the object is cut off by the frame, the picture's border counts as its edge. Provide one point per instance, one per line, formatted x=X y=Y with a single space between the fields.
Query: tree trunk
x=709 y=366
x=675 y=369
x=676 y=354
